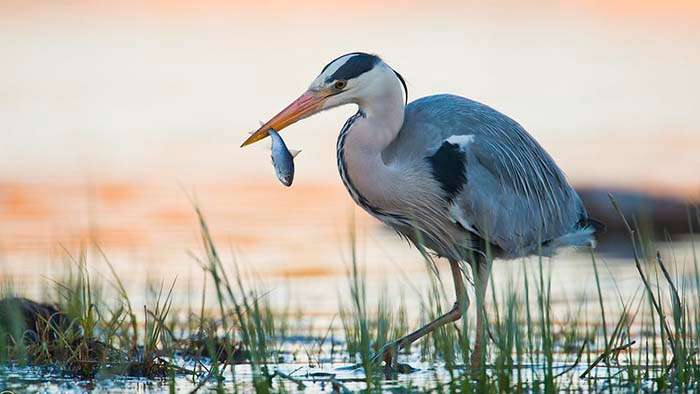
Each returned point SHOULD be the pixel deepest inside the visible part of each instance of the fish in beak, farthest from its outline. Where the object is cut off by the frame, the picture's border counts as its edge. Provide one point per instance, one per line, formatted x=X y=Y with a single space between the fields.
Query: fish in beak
x=306 y=105
x=282 y=159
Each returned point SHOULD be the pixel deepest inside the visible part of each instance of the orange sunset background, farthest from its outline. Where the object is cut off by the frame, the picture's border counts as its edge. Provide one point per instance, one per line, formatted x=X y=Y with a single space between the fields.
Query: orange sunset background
x=115 y=116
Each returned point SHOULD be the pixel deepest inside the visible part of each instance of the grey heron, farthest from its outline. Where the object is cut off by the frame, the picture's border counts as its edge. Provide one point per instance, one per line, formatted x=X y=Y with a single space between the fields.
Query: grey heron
x=451 y=175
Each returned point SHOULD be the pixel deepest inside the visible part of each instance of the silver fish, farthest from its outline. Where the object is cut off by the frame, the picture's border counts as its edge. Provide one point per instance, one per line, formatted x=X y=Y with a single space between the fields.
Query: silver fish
x=282 y=159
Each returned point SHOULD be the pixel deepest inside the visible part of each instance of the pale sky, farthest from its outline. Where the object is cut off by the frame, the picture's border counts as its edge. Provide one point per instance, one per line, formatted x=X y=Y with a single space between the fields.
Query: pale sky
x=170 y=89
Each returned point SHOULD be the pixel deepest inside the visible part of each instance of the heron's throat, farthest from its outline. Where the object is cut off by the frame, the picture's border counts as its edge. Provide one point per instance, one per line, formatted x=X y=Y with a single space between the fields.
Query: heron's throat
x=381 y=120
x=371 y=182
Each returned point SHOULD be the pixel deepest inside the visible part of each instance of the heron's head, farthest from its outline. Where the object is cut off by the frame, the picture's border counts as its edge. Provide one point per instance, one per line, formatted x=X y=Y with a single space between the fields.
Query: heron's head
x=349 y=79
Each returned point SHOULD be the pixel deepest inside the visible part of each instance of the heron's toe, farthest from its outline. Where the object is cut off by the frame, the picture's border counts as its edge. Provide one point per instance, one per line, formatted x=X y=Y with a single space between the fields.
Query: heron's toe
x=400 y=368
x=388 y=354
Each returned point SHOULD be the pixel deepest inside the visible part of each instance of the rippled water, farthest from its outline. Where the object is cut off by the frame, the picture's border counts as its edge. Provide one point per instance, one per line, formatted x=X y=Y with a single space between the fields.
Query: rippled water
x=325 y=372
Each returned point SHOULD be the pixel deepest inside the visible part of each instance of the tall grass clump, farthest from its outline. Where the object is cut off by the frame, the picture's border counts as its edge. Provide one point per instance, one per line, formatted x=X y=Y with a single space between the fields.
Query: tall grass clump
x=603 y=340
x=368 y=329
x=246 y=317
x=80 y=332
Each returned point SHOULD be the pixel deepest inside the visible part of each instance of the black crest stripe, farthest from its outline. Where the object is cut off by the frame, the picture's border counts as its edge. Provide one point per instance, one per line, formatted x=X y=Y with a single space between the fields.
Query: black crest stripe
x=403 y=82
x=355 y=66
x=341 y=56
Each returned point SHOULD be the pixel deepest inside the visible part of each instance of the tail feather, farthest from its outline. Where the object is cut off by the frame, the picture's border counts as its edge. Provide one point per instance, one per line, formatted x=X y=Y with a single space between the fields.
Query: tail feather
x=597 y=225
x=582 y=237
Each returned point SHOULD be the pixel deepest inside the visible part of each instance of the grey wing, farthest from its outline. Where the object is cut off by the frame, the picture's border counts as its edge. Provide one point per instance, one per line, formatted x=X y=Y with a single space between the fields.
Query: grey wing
x=512 y=193
x=513 y=200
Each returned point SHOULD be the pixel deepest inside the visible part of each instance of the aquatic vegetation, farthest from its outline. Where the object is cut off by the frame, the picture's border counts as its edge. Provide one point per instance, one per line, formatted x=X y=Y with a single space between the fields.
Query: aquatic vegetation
x=89 y=330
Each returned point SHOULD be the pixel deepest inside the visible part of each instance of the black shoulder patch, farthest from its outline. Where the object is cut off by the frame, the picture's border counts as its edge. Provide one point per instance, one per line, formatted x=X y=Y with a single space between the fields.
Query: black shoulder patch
x=449 y=168
x=356 y=65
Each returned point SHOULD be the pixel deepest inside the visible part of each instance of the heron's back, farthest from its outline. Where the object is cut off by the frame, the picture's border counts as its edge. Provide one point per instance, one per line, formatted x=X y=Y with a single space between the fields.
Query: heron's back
x=513 y=194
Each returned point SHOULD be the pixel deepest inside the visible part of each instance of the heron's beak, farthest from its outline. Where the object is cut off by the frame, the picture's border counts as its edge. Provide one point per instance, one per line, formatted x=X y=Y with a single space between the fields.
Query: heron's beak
x=306 y=105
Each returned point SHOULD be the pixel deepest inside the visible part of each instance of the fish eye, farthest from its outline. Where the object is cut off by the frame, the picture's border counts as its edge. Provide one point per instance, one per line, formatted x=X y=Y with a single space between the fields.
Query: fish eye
x=340 y=84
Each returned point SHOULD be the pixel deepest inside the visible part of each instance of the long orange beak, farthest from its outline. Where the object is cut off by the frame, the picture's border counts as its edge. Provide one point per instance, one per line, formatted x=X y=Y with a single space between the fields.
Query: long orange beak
x=306 y=105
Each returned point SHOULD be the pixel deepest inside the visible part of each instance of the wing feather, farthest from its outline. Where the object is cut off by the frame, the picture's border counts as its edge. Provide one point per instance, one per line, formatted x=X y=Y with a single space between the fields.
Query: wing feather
x=515 y=195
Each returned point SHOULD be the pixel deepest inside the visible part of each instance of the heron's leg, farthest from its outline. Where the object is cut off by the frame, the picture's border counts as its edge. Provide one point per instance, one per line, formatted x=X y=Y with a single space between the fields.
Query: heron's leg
x=388 y=352
x=481 y=270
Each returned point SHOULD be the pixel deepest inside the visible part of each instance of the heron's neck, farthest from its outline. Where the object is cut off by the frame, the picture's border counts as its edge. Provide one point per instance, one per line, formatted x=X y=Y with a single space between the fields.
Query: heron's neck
x=382 y=119
x=377 y=124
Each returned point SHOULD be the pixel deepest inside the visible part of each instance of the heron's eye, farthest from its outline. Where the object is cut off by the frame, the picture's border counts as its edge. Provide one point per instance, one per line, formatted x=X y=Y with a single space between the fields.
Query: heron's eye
x=340 y=84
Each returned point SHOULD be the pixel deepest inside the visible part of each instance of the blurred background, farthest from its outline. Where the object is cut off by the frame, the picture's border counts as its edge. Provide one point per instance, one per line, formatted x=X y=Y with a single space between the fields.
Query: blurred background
x=115 y=115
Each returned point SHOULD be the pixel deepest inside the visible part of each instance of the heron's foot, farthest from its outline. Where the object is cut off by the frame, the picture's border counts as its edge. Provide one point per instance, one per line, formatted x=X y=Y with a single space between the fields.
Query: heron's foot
x=476 y=368
x=388 y=354
x=475 y=373
x=399 y=368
